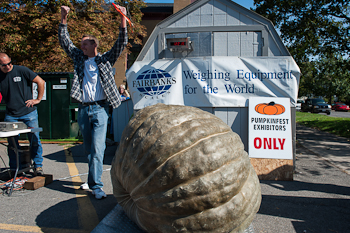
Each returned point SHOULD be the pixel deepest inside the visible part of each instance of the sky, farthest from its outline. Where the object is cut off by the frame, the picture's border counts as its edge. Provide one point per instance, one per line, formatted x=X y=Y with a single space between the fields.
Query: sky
x=245 y=3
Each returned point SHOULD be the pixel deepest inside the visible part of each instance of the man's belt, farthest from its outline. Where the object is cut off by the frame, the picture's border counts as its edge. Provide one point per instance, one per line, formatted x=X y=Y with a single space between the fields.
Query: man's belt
x=100 y=102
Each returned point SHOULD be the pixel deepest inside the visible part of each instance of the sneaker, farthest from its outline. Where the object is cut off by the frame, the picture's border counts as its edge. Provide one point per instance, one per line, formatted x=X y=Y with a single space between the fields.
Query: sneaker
x=84 y=186
x=99 y=194
x=38 y=171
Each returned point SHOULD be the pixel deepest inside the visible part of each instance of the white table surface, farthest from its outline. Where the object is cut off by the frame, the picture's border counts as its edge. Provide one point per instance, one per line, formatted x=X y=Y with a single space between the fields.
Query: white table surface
x=19 y=131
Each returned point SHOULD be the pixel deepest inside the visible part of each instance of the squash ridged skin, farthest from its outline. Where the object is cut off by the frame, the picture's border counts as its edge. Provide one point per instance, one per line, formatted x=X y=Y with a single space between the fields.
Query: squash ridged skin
x=181 y=169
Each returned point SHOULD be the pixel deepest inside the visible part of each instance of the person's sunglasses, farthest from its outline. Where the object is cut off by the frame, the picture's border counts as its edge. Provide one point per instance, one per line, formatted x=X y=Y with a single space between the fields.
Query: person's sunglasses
x=4 y=65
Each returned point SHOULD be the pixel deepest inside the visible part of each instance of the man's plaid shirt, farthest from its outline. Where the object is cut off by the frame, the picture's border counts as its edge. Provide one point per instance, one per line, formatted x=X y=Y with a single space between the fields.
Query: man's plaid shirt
x=104 y=63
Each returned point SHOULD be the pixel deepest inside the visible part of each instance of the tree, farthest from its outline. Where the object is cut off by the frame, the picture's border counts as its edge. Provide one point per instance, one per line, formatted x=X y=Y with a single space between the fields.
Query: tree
x=327 y=77
x=332 y=78
x=317 y=35
x=310 y=28
x=28 y=29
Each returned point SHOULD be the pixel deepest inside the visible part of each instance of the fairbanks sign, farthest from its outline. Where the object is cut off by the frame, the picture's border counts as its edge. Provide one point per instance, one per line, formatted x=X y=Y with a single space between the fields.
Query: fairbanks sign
x=212 y=81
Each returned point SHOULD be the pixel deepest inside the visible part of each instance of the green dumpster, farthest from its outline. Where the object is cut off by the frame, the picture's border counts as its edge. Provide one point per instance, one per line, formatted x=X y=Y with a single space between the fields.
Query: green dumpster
x=57 y=111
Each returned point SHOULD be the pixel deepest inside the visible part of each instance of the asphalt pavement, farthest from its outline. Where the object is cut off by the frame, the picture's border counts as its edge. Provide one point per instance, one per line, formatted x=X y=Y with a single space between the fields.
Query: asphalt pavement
x=341 y=114
x=317 y=200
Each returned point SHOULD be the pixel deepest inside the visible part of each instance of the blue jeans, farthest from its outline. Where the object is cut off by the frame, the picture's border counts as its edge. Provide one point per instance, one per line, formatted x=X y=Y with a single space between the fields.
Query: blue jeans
x=36 y=149
x=93 y=121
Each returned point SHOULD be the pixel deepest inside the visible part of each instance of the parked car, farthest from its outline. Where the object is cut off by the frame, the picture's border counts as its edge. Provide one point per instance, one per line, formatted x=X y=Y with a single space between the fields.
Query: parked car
x=316 y=105
x=298 y=104
x=339 y=106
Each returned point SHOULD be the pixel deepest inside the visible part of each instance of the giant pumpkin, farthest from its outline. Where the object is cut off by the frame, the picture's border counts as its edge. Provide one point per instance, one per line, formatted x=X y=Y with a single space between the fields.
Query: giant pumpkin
x=181 y=169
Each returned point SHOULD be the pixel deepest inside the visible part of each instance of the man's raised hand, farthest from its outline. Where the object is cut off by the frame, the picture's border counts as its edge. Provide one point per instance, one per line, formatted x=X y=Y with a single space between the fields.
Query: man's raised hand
x=64 y=14
x=122 y=9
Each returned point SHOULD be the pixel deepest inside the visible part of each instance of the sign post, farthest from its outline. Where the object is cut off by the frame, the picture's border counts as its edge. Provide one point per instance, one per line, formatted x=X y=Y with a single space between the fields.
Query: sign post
x=270 y=143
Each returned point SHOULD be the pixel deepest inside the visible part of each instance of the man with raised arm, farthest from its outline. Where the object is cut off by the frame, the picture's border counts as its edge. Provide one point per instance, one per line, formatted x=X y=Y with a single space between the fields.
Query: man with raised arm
x=94 y=87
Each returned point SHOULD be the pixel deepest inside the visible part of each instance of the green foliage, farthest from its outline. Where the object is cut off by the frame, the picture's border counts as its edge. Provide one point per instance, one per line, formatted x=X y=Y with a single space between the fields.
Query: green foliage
x=28 y=29
x=327 y=77
x=310 y=28
x=334 y=125
x=317 y=35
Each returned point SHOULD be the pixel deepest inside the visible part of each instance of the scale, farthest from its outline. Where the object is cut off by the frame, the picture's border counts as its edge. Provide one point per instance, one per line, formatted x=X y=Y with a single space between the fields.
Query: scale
x=11 y=126
x=179 y=44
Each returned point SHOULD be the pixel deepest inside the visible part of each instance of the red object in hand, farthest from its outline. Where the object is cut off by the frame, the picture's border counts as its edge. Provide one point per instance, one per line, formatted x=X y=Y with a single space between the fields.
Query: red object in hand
x=127 y=19
x=0 y=97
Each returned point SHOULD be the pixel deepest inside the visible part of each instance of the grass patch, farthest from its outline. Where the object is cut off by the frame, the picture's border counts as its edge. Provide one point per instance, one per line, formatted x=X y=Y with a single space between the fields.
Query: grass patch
x=334 y=125
x=65 y=141
x=58 y=141
x=62 y=140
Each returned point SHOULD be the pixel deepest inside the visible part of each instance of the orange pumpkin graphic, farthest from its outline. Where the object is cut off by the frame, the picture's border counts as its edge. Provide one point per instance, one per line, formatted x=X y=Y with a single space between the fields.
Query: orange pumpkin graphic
x=270 y=109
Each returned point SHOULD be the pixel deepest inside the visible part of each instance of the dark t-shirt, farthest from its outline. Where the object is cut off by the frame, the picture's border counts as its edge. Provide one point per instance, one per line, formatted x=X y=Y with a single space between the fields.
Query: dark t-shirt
x=16 y=89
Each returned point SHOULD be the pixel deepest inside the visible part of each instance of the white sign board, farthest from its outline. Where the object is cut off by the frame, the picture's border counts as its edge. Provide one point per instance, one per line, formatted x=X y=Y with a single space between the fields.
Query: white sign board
x=270 y=128
x=212 y=81
x=59 y=87
x=35 y=91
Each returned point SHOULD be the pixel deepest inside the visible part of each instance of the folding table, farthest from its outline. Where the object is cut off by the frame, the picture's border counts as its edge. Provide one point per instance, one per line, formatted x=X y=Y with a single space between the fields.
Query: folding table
x=11 y=135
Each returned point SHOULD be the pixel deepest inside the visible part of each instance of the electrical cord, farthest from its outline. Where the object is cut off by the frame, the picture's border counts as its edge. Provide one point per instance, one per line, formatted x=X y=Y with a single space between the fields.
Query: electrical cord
x=68 y=177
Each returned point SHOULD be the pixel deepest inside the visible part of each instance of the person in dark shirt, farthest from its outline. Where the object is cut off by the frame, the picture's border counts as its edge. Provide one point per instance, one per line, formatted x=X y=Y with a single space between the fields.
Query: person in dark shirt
x=16 y=89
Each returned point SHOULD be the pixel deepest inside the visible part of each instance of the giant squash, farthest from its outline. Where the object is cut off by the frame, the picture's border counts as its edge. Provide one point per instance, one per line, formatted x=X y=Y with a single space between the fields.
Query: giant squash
x=181 y=169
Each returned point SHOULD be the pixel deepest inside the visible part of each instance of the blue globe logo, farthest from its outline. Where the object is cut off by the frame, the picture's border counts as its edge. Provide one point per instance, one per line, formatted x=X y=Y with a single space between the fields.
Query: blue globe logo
x=154 y=82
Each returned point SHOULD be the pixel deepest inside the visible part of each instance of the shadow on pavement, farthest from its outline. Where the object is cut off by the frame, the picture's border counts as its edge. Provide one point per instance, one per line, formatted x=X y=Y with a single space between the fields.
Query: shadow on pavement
x=317 y=200
x=312 y=214
x=63 y=217
x=67 y=216
x=310 y=187
x=79 y=155
x=65 y=186
x=62 y=182
x=327 y=142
